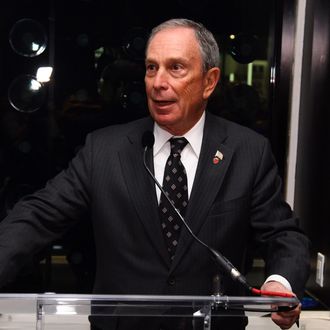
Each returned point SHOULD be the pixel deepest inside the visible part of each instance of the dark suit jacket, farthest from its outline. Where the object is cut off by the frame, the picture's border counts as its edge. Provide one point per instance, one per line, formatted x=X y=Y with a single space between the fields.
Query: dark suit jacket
x=234 y=206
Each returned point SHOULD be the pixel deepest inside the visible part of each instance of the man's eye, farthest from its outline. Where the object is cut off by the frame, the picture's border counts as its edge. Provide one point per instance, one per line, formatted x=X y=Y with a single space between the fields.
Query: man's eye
x=177 y=67
x=151 y=67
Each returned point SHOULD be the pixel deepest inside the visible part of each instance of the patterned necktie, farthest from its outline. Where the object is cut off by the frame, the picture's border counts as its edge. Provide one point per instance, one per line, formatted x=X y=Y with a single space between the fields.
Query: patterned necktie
x=175 y=186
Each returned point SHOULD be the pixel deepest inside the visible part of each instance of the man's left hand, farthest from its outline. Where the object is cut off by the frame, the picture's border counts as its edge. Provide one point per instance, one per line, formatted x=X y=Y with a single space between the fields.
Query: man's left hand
x=285 y=320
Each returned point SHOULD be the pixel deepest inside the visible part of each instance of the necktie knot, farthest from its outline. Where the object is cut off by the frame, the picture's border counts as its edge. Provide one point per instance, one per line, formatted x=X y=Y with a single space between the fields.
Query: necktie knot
x=177 y=145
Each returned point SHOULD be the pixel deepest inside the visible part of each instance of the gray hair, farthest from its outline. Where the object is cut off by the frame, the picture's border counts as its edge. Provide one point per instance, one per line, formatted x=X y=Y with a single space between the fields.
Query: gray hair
x=207 y=43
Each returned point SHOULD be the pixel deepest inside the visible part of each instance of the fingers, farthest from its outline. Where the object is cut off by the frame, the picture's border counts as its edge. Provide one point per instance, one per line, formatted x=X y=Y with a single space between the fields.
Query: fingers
x=285 y=320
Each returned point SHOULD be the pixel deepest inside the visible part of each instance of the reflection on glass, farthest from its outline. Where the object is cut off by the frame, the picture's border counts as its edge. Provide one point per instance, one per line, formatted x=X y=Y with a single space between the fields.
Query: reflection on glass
x=28 y=38
x=26 y=94
x=44 y=73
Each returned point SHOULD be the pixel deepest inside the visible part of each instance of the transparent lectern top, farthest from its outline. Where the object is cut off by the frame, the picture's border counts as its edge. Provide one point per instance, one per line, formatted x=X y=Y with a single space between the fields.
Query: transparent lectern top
x=63 y=311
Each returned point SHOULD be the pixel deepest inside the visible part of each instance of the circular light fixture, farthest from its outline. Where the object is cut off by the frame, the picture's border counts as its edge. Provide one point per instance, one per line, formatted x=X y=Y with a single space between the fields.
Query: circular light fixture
x=26 y=94
x=244 y=48
x=28 y=38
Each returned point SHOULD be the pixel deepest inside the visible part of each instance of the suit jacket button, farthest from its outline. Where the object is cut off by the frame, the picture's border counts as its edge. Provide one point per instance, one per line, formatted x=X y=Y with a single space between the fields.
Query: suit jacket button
x=171 y=281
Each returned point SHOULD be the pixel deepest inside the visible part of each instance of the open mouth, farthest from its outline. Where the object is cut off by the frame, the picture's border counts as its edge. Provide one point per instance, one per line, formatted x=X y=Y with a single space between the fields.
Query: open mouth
x=163 y=103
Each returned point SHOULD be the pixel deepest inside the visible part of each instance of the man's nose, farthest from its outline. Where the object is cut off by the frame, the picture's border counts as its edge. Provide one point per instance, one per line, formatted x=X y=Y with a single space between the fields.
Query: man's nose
x=161 y=80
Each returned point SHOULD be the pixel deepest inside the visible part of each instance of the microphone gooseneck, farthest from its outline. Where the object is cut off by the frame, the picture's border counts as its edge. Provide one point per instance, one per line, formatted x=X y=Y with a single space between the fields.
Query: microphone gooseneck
x=148 y=141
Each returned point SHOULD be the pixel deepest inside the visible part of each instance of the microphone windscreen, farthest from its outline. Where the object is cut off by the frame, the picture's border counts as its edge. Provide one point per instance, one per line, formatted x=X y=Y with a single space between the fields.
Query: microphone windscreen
x=148 y=139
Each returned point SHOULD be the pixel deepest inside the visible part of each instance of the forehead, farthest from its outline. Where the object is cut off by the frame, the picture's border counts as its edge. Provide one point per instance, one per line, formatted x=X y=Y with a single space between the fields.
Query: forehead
x=172 y=42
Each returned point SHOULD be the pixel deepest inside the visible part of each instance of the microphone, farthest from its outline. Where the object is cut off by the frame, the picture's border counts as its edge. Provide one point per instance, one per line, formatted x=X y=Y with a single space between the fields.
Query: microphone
x=148 y=141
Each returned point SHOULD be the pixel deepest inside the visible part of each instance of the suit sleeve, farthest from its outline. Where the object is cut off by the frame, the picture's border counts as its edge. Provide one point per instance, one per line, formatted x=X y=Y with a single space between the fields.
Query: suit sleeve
x=45 y=216
x=284 y=246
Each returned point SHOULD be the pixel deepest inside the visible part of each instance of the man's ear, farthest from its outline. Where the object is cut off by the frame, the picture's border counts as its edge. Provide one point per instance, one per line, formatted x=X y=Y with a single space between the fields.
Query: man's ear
x=211 y=79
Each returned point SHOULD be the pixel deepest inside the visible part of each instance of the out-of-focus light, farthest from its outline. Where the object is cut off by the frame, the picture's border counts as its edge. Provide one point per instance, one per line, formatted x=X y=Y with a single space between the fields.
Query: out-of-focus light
x=44 y=73
x=231 y=77
x=34 y=85
x=98 y=52
x=35 y=47
x=249 y=77
x=232 y=36
x=272 y=75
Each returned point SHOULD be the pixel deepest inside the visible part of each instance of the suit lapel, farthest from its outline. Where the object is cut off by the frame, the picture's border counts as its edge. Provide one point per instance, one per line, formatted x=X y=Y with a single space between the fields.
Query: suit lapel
x=142 y=189
x=208 y=179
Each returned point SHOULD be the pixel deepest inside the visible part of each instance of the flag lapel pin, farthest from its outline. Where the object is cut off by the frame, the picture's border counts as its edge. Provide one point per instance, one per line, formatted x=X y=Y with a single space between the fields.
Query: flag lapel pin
x=217 y=157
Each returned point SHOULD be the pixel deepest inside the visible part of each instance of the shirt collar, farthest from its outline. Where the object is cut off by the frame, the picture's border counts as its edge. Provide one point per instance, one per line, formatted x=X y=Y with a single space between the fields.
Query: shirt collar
x=194 y=136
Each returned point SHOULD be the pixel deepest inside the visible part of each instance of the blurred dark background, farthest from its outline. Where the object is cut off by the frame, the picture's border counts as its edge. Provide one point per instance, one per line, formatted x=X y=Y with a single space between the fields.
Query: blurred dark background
x=95 y=49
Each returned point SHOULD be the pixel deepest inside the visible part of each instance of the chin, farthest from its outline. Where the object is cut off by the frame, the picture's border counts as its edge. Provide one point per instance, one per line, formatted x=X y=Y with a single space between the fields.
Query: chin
x=163 y=118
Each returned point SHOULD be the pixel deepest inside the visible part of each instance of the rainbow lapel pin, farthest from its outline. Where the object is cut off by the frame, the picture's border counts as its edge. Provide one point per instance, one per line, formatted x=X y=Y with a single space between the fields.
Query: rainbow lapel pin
x=217 y=157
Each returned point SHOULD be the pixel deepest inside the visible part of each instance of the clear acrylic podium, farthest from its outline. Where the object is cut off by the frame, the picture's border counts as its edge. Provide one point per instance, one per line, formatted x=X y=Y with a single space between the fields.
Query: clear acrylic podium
x=60 y=311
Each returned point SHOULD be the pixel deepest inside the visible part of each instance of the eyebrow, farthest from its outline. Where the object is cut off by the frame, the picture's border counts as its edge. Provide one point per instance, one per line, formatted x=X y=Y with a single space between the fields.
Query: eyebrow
x=171 y=59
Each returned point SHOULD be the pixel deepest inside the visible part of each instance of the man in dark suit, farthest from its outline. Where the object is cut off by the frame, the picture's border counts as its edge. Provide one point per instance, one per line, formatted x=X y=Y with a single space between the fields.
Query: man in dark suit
x=233 y=188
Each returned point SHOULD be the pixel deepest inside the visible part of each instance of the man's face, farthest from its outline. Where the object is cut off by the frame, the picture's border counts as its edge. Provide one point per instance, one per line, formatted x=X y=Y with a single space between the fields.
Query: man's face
x=177 y=89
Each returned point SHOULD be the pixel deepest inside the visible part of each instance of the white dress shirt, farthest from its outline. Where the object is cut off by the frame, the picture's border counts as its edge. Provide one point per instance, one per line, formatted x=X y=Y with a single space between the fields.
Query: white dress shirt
x=189 y=158
x=189 y=155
